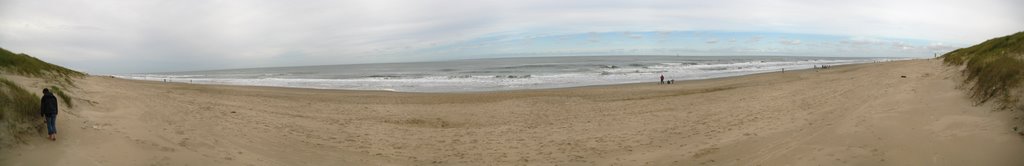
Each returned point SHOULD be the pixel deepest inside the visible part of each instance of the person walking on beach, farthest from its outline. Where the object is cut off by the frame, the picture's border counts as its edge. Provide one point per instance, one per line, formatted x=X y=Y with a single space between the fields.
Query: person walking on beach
x=662 y=79
x=48 y=109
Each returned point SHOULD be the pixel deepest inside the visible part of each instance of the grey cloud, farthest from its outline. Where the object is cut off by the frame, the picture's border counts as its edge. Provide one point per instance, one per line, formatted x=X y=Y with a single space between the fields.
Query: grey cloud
x=902 y=45
x=862 y=41
x=712 y=41
x=755 y=39
x=108 y=36
x=940 y=47
x=789 y=42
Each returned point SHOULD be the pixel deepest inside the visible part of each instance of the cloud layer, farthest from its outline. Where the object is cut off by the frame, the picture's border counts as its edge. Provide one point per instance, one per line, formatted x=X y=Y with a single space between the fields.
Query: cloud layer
x=106 y=36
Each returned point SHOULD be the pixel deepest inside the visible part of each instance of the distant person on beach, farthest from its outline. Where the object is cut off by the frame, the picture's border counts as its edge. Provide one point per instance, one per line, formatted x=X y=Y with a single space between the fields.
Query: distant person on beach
x=48 y=108
x=662 y=79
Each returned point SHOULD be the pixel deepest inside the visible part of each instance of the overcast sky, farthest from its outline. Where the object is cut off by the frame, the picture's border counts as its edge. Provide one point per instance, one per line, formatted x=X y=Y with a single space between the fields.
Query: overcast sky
x=112 y=37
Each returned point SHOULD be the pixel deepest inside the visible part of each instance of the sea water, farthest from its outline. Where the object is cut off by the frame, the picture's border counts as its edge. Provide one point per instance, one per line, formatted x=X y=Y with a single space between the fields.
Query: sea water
x=502 y=73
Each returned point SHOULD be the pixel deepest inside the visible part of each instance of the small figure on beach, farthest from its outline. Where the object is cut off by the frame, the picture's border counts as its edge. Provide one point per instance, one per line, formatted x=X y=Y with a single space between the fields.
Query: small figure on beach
x=662 y=79
x=48 y=109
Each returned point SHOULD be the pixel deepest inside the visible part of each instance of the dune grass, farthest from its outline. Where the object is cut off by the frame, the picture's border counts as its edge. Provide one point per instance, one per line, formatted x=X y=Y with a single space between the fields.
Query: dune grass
x=23 y=64
x=19 y=109
x=19 y=114
x=63 y=96
x=993 y=70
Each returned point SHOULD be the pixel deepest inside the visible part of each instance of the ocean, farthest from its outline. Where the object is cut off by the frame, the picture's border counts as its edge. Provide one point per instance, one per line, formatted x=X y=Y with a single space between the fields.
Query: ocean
x=502 y=73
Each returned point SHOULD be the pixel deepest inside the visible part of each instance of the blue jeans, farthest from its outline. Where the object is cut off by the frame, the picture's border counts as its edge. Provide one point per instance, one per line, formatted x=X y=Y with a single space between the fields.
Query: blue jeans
x=51 y=124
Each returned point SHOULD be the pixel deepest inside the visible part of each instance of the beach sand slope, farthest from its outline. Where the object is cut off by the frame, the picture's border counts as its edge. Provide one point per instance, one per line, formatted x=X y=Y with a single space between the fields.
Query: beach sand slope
x=864 y=114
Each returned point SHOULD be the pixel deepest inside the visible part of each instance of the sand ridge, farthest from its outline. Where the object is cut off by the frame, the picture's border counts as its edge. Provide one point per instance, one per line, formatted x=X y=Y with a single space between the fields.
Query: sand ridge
x=849 y=115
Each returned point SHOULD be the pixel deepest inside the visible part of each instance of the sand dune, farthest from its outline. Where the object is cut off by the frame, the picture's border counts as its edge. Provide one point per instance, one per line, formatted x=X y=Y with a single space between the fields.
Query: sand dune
x=850 y=115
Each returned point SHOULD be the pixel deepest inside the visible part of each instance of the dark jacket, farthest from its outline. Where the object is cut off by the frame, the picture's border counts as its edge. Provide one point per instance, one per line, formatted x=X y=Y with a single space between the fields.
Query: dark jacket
x=49 y=105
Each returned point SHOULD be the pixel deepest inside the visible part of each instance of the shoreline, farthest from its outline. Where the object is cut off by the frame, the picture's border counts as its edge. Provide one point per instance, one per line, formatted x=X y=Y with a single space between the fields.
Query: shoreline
x=493 y=75
x=497 y=91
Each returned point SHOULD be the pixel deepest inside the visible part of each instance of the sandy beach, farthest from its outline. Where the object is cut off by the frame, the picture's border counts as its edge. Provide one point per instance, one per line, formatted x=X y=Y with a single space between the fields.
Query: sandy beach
x=863 y=114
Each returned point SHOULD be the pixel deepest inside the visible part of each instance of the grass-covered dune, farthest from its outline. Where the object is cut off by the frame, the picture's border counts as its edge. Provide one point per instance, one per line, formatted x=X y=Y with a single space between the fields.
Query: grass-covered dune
x=23 y=64
x=19 y=114
x=993 y=70
x=19 y=108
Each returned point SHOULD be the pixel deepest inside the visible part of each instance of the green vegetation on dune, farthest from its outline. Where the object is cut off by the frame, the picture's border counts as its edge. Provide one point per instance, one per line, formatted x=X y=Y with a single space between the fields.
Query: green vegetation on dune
x=19 y=114
x=19 y=108
x=994 y=69
x=23 y=64
x=26 y=65
x=63 y=96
